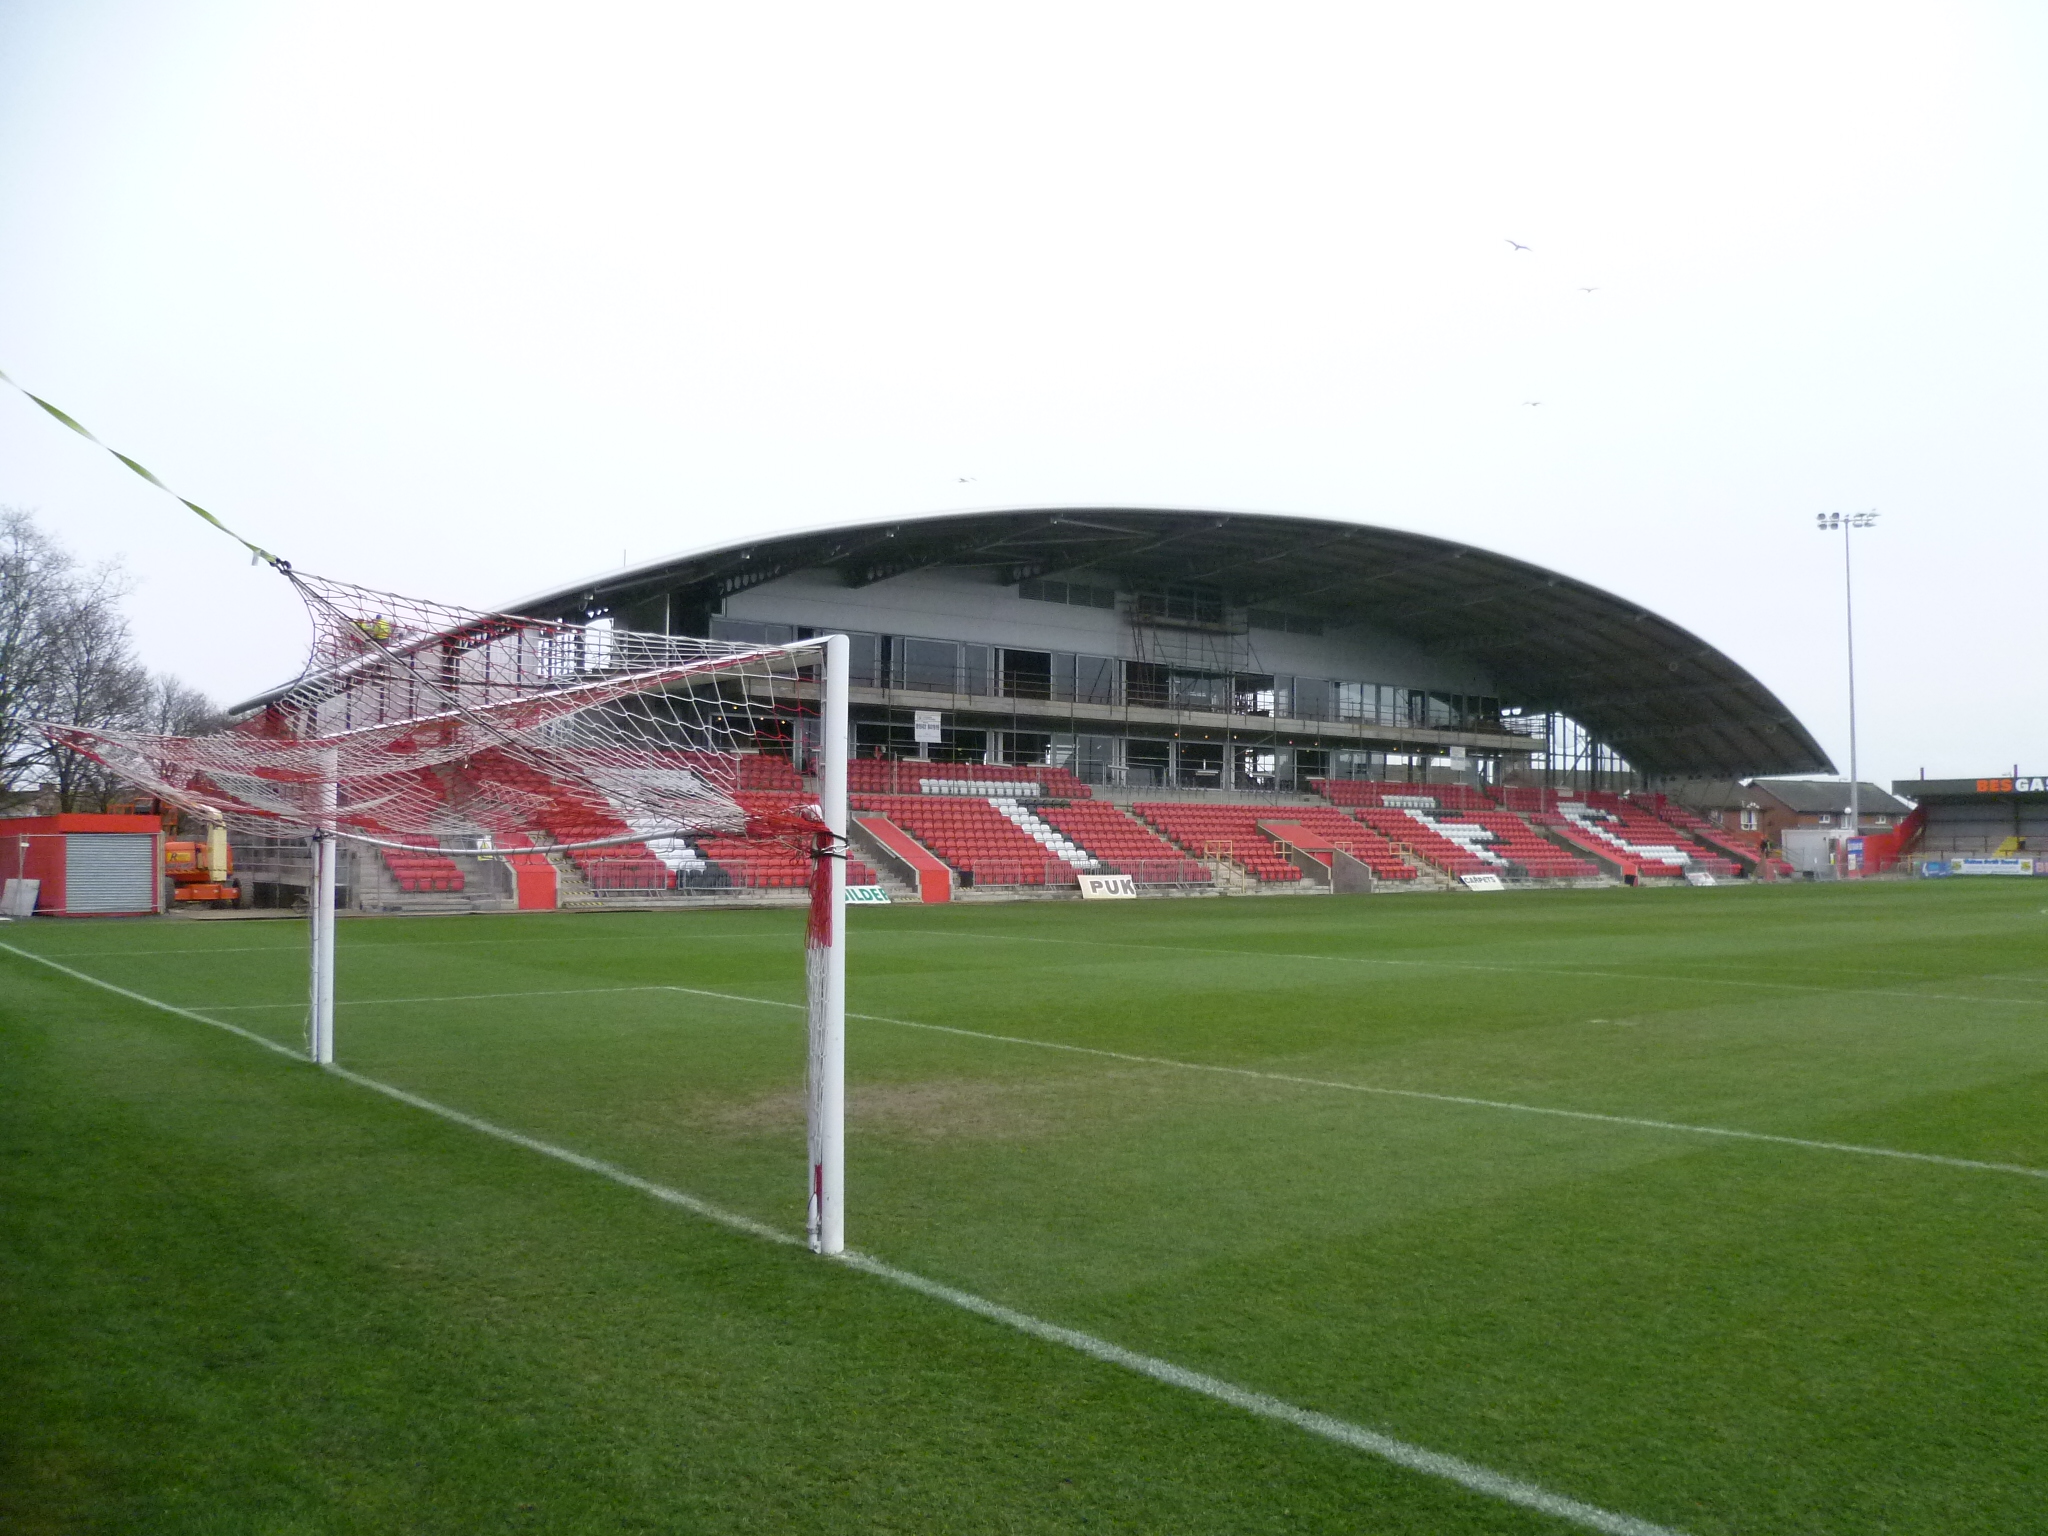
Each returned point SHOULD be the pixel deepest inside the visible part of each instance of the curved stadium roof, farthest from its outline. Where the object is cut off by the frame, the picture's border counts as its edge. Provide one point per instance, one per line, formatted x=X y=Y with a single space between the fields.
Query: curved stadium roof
x=1663 y=698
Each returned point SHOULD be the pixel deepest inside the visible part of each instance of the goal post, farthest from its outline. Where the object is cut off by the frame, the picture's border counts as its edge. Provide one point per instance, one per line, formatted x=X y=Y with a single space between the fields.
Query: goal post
x=326 y=855
x=418 y=730
x=826 y=957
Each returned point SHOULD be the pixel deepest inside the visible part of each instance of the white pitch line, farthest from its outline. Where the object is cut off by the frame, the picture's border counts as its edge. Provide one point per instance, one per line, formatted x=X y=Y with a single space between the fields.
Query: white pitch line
x=298 y=951
x=598 y=1166
x=1467 y=965
x=151 y=1002
x=1453 y=1469
x=1468 y=1100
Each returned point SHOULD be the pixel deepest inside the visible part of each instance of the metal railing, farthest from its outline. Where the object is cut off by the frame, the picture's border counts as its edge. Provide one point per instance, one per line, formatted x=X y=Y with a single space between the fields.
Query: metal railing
x=1029 y=872
x=1332 y=701
x=1055 y=873
x=1178 y=872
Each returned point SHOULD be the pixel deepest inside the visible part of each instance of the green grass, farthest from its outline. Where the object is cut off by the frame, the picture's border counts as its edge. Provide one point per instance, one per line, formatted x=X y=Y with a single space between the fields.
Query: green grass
x=237 y=1294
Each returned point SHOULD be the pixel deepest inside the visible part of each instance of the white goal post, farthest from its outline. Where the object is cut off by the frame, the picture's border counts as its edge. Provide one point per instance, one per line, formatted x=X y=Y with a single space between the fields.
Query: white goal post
x=418 y=728
x=827 y=953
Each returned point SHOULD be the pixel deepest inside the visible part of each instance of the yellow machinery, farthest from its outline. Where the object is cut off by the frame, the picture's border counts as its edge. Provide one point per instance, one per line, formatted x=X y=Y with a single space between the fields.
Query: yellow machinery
x=204 y=870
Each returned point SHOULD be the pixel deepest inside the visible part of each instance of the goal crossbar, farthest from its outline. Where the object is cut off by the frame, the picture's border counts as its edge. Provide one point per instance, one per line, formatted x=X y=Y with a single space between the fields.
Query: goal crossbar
x=426 y=728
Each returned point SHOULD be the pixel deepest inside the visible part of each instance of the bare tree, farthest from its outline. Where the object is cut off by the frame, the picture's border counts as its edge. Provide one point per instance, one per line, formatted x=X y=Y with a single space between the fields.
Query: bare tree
x=99 y=684
x=66 y=658
x=36 y=577
x=179 y=709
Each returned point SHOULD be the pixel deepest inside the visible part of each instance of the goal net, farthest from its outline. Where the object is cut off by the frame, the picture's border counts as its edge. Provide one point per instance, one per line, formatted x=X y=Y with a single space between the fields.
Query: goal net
x=427 y=727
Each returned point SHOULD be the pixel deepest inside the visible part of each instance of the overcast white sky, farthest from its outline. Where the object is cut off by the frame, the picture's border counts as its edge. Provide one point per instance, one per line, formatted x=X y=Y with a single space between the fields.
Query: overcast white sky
x=464 y=301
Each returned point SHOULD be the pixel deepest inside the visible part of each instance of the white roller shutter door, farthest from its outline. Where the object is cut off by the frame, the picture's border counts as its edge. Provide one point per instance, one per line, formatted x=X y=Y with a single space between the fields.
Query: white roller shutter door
x=109 y=872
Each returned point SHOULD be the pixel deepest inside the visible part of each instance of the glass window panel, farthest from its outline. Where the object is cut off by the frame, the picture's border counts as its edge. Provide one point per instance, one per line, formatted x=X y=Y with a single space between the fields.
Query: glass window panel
x=1200 y=690
x=1314 y=698
x=863 y=658
x=1027 y=674
x=1145 y=683
x=1252 y=695
x=974 y=669
x=1095 y=679
x=1026 y=748
x=1095 y=756
x=1200 y=764
x=751 y=632
x=932 y=665
x=1063 y=676
x=1145 y=763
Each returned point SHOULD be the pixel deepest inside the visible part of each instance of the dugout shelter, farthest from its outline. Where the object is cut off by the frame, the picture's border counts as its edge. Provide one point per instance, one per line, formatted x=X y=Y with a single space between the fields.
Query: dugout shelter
x=86 y=865
x=2005 y=815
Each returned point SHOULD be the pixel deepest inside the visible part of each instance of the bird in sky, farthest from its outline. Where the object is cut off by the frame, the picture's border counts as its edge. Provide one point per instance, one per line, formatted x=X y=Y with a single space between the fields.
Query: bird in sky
x=1589 y=290
x=966 y=479
x=1532 y=402
x=1515 y=243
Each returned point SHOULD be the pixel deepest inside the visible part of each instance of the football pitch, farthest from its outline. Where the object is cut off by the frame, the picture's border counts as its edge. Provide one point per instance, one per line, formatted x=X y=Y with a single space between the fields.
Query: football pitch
x=1697 y=1210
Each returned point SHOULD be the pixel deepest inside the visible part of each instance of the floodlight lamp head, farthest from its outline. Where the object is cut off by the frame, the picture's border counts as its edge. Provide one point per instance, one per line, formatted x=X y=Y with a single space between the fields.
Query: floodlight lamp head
x=1827 y=520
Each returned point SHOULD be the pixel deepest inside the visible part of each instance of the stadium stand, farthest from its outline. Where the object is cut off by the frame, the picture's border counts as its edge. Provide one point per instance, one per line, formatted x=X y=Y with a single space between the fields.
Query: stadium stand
x=759 y=770
x=1528 y=853
x=881 y=776
x=768 y=863
x=1418 y=833
x=1743 y=847
x=418 y=869
x=1475 y=839
x=704 y=861
x=1657 y=848
x=931 y=878
x=1125 y=846
x=977 y=838
x=1229 y=832
x=421 y=871
x=1608 y=830
x=619 y=866
x=1353 y=793
x=1332 y=826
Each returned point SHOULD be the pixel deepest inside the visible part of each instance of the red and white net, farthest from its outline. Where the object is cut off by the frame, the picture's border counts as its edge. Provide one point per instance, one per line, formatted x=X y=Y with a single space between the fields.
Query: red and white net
x=443 y=727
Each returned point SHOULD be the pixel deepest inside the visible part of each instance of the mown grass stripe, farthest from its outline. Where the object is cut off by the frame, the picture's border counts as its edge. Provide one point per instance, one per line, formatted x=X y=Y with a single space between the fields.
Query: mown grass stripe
x=1414 y=1458
x=298 y=947
x=457 y=997
x=1468 y=1100
x=1478 y=966
x=1639 y=1122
